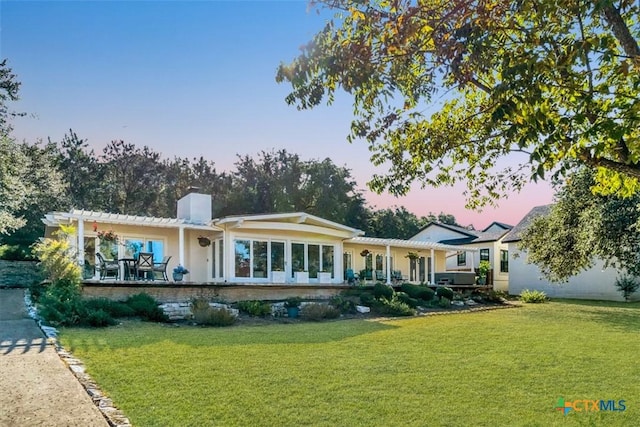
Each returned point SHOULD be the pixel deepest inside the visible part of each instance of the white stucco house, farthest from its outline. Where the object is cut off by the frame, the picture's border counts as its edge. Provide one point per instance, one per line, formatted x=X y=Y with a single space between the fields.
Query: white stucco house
x=253 y=249
x=487 y=245
x=597 y=283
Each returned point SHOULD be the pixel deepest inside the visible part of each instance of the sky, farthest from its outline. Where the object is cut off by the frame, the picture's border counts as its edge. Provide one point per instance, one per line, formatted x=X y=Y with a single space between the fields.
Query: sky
x=191 y=79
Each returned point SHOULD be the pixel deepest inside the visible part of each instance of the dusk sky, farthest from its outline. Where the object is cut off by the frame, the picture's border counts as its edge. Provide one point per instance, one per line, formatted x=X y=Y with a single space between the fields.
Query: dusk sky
x=193 y=79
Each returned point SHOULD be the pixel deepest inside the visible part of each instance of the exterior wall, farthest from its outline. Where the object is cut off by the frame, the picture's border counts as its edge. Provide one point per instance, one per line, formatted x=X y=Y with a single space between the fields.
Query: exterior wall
x=500 y=279
x=596 y=283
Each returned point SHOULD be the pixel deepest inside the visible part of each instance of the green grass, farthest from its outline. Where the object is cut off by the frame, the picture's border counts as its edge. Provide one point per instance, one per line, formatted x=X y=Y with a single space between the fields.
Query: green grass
x=503 y=367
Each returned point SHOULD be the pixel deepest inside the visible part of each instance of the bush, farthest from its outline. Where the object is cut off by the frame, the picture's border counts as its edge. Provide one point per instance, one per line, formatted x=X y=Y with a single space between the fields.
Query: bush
x=255 y=308
x=411 y=302
x=533 y=297
x=343 y=305
x=61 y=304
x=367 y=299
x=382 y=291
x=627 y=285
x=99 y=318
x=444 y=302
x=319 y=312
x=445 y=292
x=393 y=307
x=114 y=308
x=204 y=314
x=15 y=253
x=146 y=307
x=495 y=296
x=418 y=292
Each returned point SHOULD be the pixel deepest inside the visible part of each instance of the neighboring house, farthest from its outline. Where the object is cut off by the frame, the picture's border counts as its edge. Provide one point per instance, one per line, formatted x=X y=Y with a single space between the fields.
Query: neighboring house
x=488 y=245
x=258 y=249
x=595 y=283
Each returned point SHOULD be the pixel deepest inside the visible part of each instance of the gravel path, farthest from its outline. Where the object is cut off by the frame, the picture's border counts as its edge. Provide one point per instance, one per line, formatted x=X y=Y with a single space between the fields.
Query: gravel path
x=36 y=387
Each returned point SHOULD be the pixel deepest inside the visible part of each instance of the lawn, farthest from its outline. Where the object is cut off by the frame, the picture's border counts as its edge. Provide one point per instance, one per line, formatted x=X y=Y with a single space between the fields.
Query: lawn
x=503 y=367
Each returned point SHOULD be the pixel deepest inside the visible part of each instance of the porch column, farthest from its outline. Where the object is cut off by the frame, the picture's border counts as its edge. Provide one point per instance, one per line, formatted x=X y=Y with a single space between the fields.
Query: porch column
x=388 y=265
x=81 y=242
x=181 y=245
x=433 y=267
x=473 y=262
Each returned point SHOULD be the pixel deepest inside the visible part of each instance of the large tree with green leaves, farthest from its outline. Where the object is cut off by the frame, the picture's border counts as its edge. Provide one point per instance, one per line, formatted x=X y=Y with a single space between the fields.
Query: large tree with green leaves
x=582 y=227
x=443 y=89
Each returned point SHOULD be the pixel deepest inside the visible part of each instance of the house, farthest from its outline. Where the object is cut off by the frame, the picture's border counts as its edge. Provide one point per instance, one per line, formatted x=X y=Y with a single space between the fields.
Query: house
x=296 y=248
x=596 y=283
x=487 y=245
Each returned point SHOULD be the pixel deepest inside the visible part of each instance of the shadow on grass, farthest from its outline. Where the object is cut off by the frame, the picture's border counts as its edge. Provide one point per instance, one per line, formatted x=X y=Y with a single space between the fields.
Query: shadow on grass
x=131 y=334
x=622 y=316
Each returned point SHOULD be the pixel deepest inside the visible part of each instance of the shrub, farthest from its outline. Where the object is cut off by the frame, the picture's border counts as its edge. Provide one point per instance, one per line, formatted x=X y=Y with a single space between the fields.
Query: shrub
x=146 y=307
x=446 y=292
x=367 y=299
x=411 y=302
x=99 y=318
x=292 y=302
x=533 y=297
x=318 y=312
x=627 y=285
x=57 y=257
x=418 y=292
x=15 y=253
x=114 y=308
x=393 y=307
x=444 y=302
x=382 y=291
x=204 y=314
x=343 y=305
x=61 y=304
x=495 y=296
x=255 y=308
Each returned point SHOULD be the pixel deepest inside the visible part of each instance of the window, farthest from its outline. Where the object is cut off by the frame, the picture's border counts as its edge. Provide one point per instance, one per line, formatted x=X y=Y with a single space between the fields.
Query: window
x=462 y=258
x=327 y=259
x=484 y=254
x=504 y=261
x=277 y=256
x=218 y=259
x=259 y=264
x=242 y=257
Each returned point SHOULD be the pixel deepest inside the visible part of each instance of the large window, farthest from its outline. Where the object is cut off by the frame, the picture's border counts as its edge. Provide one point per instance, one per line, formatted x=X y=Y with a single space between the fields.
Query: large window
x=277 y=256
x=259 y=259
x=327 y=259
x=484 y=254
x=242 y=258
x=504 y=261
x=312 y=258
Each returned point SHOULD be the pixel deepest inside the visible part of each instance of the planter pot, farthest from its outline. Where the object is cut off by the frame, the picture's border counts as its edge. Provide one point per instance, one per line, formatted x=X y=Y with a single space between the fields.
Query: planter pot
x=324 y=277
x=177 y=277
x=302 y=277
x=278 y=277
x=293 y=311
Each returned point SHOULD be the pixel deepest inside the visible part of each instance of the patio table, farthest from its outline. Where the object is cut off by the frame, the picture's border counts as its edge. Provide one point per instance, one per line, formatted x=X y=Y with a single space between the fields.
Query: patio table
x=129 y=266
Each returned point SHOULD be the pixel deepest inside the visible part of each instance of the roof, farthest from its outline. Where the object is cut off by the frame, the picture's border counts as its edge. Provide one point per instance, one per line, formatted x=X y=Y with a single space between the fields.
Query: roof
x=515 y=234
x=56 y=218
x=410 y=244
x=502 y=225
x=292 y=218
x=471 y=236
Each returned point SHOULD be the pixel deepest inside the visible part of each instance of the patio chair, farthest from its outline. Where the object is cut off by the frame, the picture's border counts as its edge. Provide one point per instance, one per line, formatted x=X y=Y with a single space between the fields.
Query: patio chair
x=380 y=276
x=144 y=265
x=350 y=276
x=108 y=267
x=161 y=267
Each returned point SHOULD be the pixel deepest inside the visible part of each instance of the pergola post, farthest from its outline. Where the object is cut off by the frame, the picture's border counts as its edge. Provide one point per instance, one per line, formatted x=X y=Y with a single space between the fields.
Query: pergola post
x=388 y=265
x=433 y=266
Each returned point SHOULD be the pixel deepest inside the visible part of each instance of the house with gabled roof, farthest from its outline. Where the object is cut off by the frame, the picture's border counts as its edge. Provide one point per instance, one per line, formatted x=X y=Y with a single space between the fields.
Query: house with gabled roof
x=488 y=246
x=274 y=248
x=595 y=283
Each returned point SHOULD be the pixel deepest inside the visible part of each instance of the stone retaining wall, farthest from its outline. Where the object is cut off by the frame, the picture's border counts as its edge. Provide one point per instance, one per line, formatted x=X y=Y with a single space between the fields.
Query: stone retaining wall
x=20 y=274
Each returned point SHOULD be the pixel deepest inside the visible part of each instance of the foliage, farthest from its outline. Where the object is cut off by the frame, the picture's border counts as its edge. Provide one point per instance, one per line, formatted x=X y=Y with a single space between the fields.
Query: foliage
x=483 y=268
x=114 y=308
x=393 y=307
x=444 y=302
x=627 y=285
x=15 y=253
x=317 y=312
x=146 y=307
x=179 y=269
x=367 y=299
x=254 y=307
x=494 y=296
x=204 y=314
x=57 y=257
x=343 y=304
x=61 y=304
x=582 y=227
x=382 y=291
x=411 y=302
x=533 y=297
x=99 y=318
x=416 y=291
x=443 y=90
x=9 y=88
x=445 y=292
x=107 y=235
x=292 y=302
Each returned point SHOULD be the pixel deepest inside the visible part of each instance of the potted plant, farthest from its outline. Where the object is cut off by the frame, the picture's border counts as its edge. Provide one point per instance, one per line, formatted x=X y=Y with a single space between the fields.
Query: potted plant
x=292 y=305
x=364 y=253
x=179 y=272
x=412 y=256
x=108 y=236
x=483 y=271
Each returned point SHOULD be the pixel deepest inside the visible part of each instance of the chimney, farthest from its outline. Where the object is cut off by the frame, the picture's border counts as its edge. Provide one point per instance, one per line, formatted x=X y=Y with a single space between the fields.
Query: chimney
x=195 y=208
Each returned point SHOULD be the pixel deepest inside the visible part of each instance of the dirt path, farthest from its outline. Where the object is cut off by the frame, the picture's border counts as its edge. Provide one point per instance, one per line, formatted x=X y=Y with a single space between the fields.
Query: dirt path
x=36 y=388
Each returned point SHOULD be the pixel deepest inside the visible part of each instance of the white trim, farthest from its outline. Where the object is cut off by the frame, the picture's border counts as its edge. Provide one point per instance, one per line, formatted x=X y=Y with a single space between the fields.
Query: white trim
x=411 y=244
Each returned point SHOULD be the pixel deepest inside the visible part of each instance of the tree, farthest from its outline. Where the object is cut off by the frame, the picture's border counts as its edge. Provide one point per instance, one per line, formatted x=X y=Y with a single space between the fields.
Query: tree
x=442 y=90
x=9 y=87
x=397 y=223
x=582 y=227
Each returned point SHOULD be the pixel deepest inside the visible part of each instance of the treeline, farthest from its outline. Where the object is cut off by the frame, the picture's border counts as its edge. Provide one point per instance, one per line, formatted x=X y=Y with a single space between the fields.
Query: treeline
x=127 y=179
